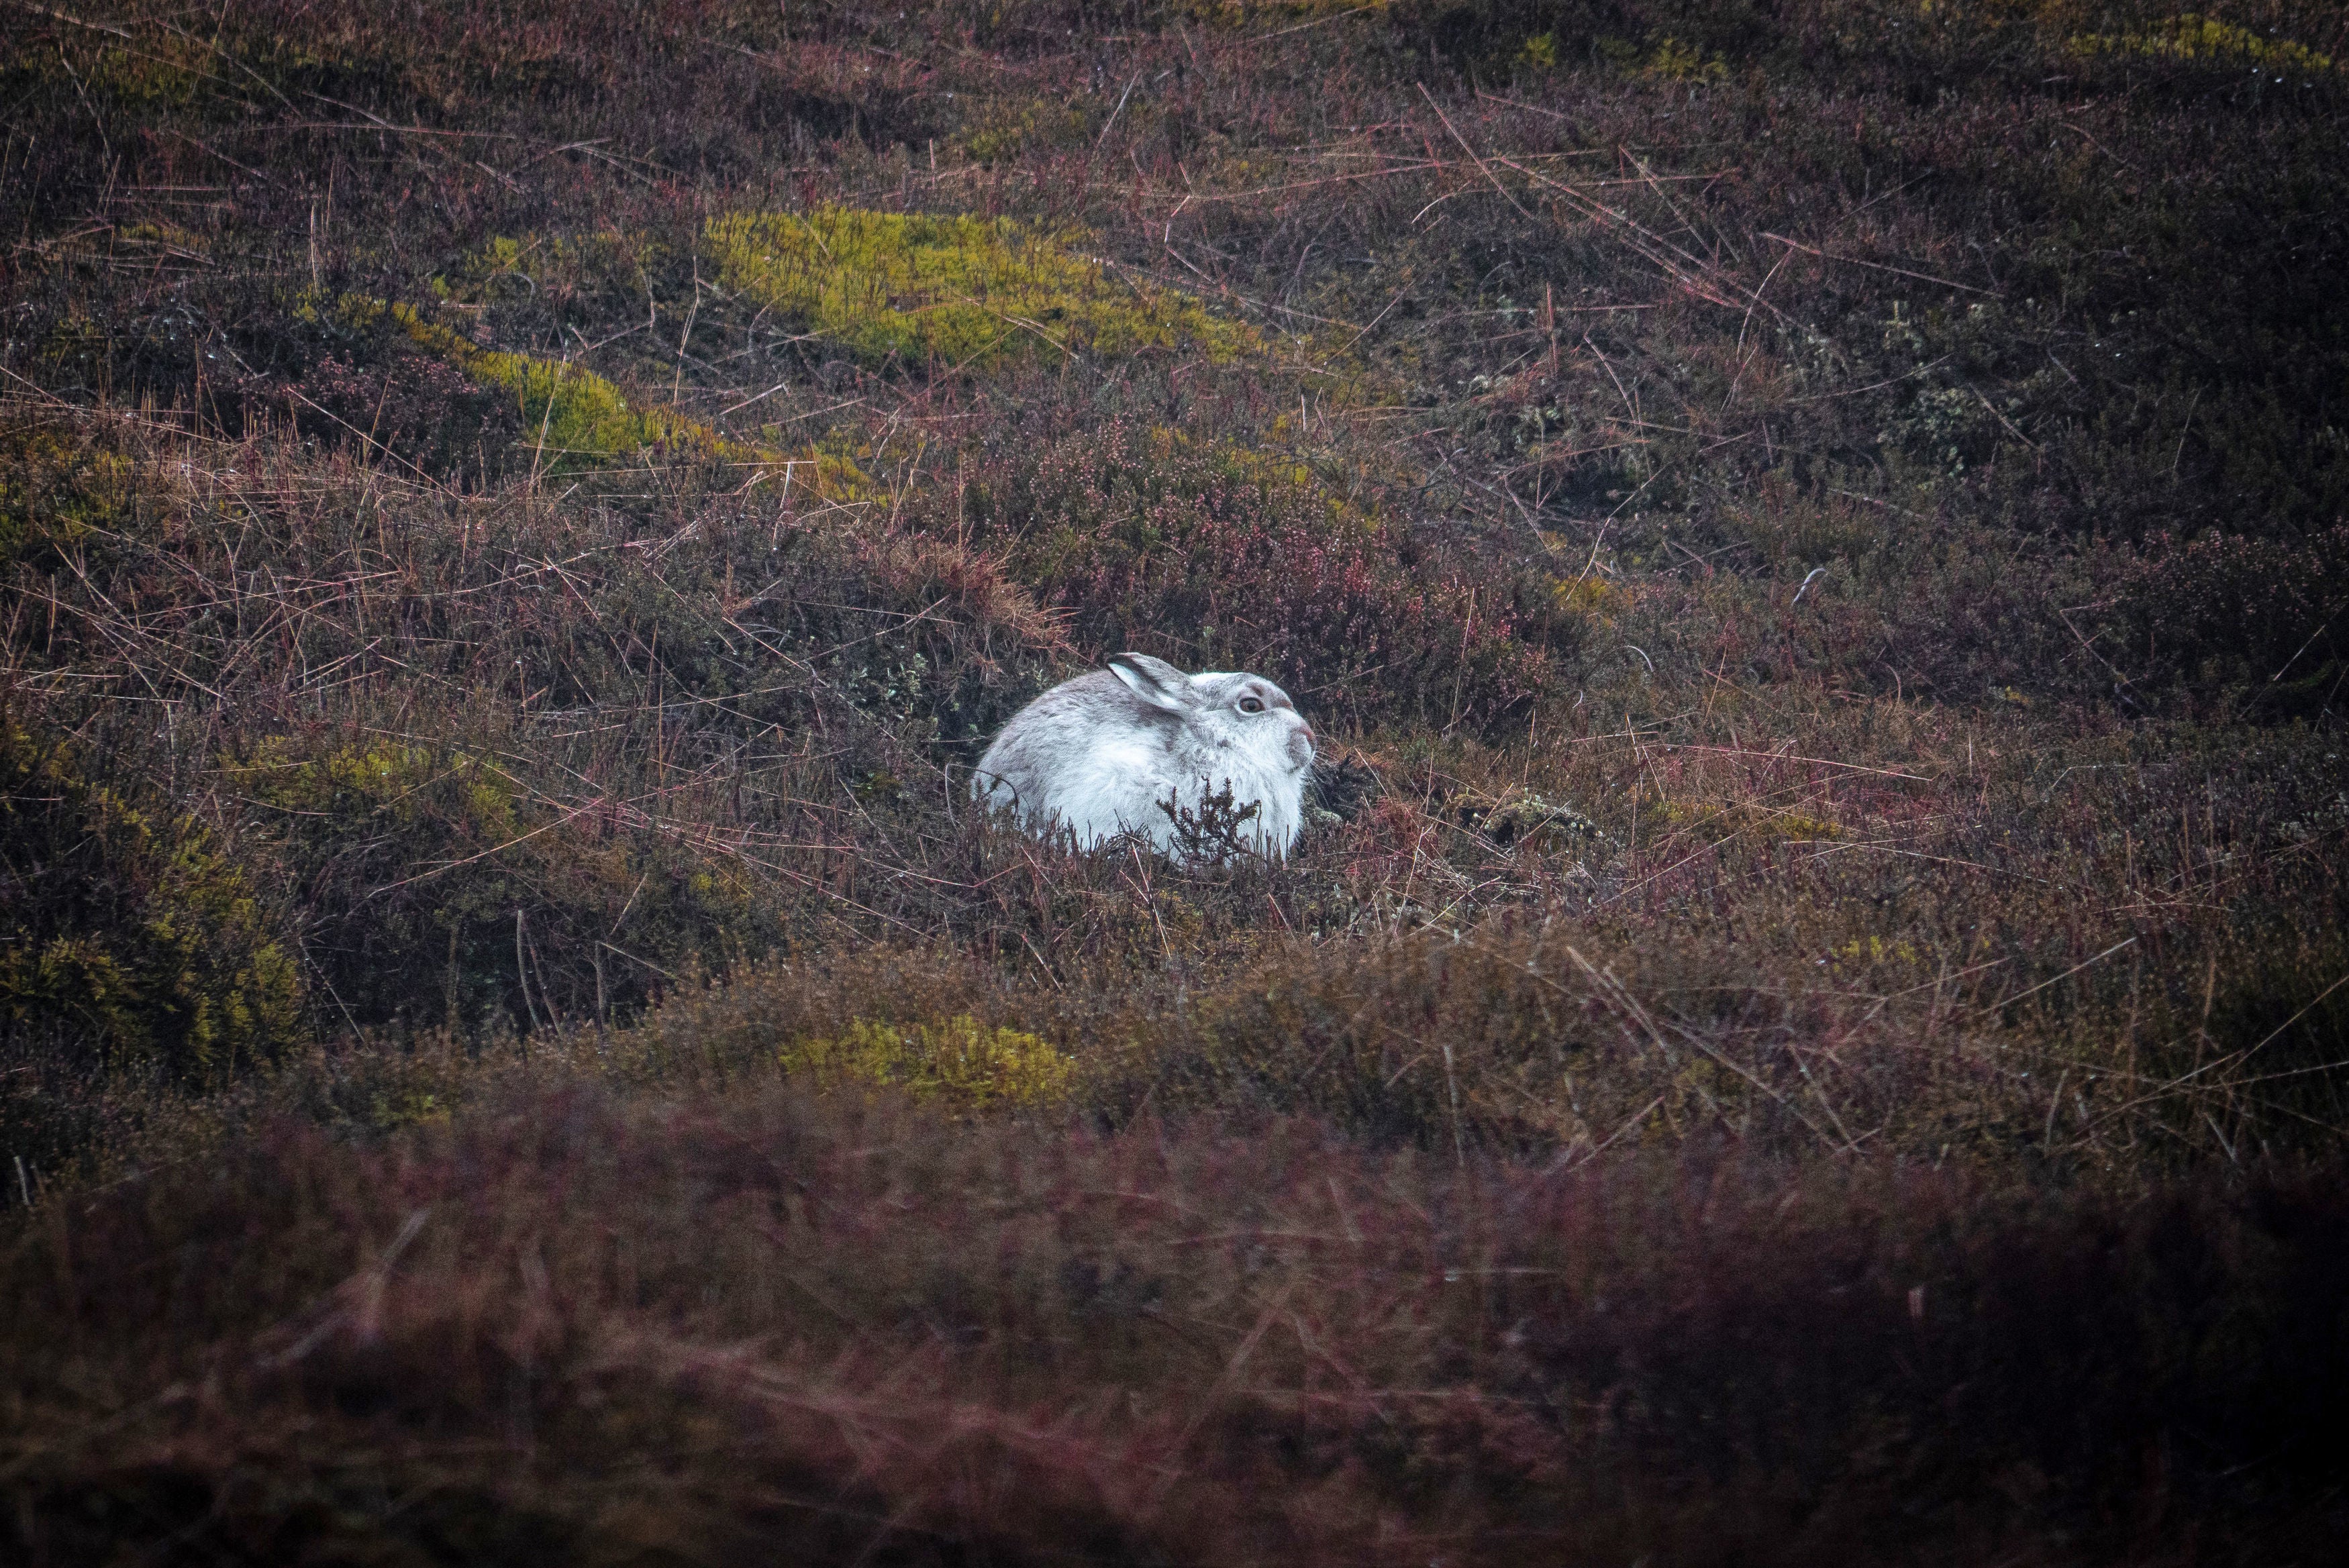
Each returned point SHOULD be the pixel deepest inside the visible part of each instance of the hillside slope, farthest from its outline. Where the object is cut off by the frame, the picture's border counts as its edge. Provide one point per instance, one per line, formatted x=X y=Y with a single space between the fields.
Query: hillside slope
x=1813 y=1016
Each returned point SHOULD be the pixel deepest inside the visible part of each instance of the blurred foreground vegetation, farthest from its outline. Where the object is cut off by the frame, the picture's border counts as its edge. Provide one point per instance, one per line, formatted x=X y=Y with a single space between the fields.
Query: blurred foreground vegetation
x=1812 y=1017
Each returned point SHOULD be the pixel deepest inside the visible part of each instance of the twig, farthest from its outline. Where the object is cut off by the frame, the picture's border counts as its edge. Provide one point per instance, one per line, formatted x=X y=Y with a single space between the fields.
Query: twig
x=1879 y=266
x=1115 y=112
x=71 y=21
x=2005 y=1002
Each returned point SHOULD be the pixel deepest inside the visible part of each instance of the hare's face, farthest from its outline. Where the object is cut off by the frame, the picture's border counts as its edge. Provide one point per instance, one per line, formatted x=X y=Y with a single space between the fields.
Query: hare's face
x=1250 y=715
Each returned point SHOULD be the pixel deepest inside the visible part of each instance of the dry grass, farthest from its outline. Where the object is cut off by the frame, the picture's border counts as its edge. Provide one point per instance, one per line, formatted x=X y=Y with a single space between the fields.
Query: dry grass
x=572 y=1326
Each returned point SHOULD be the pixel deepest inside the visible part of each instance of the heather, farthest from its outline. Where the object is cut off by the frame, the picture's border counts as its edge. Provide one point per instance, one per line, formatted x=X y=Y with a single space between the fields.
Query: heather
x=1808 y=1018
x=579 y=1327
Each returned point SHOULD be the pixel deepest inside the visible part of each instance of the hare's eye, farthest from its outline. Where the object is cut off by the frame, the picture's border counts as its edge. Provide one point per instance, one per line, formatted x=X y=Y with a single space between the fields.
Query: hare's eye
x=1251 y=704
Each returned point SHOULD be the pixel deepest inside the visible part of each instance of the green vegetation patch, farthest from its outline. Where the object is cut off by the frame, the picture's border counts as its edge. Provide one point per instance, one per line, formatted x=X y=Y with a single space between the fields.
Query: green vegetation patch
x=1000 y=130
x=568 y=410
x=2208 y=40
x=960 y=1061
x=429 y=888
x=573 y=419
x=970 y=291
x=129 y=928
x=57 y=492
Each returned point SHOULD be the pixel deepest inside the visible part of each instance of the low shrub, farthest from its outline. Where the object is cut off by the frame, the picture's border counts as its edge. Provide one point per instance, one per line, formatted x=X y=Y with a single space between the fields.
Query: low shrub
x=1217 y=556
x=854 y=1330
x=2243 y=621
x=415 y=407
x=1807 y=1025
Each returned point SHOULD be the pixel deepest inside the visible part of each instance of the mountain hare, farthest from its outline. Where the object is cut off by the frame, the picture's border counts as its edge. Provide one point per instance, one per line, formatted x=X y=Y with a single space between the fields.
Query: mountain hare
x=1100 y=753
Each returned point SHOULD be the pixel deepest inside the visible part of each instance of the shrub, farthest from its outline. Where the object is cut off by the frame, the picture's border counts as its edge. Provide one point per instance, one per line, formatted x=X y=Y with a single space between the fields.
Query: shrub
x=428 y=888
x=2243 y=620
x=774 y=1325
x=1219 y=556
x=417 y=407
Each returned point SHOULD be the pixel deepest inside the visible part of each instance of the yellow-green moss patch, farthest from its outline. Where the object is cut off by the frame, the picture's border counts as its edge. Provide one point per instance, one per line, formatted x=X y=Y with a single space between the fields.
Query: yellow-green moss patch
x=969 y=292
x=960 y=1060
x=387 y=784
x=1001 y=129
x=573 y=417
x=128 y=928
x=569 y=411
x=2206 y=38
x=57 y=492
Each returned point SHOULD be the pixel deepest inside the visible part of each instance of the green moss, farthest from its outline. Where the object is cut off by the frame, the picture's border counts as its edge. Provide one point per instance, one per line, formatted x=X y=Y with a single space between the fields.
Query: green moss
x=148 y=76
x=416 y=869
x=477 y=277
x=576 y=419
x=2207 y=39
x=127 y=928
x=1588 y=593
x=1715 y=820
x=577 y=413
x=1001 y=129
x=960 y=1060
x=570 y=412
x=388 y=784
x=966 y=291
x=58 y=494
x=392 y=853
x=596 y=272
x=1674 y=61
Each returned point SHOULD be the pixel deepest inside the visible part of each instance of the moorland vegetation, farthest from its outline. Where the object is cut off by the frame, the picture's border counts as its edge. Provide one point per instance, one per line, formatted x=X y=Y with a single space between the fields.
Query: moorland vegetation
x=1811 y=1021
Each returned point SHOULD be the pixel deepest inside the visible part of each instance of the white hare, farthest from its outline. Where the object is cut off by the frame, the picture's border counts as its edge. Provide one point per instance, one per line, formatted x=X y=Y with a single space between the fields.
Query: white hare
x=1099 y=755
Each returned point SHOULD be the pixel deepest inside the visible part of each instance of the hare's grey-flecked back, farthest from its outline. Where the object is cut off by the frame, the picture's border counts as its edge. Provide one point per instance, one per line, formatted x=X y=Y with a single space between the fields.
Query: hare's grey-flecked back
x=1098 y=756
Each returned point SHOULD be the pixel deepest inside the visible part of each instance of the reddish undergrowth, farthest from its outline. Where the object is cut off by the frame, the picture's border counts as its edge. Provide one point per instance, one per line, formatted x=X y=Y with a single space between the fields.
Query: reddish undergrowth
x=572 y=1329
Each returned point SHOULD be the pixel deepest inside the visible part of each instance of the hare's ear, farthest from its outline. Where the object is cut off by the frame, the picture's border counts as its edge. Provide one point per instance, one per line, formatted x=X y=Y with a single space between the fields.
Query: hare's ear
x=1155 y=681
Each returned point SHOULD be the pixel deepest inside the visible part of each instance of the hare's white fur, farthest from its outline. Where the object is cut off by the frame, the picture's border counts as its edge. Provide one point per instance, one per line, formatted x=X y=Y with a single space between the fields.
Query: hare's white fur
x=1101 y=754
